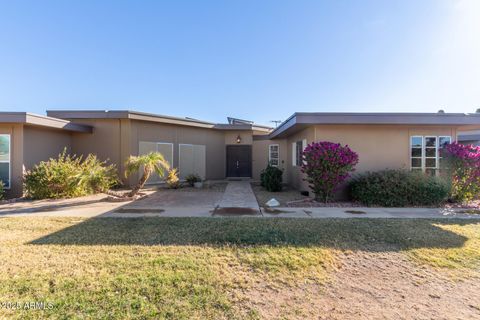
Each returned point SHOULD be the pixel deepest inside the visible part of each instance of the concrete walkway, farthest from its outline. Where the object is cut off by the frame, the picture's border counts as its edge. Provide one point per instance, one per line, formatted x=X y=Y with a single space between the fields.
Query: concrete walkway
x=239 y=194
x=360 y=212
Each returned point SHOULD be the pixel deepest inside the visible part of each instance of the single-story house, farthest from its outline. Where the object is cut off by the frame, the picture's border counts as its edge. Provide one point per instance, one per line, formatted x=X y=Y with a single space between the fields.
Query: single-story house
x=238 y=148
x=469 y=137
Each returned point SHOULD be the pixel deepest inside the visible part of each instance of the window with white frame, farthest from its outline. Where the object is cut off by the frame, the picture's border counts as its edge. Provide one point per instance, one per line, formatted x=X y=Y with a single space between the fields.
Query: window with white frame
x=442 y=142
x=5 y=163
x=425 y=152
x=274 y=155
x=416 y=152
x=297 y=152
x=431 y=156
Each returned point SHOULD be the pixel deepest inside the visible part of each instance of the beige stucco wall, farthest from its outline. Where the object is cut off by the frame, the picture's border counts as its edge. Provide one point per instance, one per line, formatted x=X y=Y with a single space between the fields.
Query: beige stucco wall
x=260 y=151
x=104 y=141
x=41 y=144
x=214 y=141
x=378 y=146
x=245 y=136
x=30 y=145
x=295 y=176
x=116 y=139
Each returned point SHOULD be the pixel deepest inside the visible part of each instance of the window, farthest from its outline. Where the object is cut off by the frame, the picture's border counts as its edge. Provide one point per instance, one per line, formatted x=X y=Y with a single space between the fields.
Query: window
x=425 y=153
x=431 y=155
x=416 y=152
x=5 y=160
x=442 y=141
x=297 y=152
x=273 y=155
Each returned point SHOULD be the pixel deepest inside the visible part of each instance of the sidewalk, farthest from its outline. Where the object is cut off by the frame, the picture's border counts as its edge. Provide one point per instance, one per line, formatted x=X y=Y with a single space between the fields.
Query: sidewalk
x=238 y=200
x=365 y=212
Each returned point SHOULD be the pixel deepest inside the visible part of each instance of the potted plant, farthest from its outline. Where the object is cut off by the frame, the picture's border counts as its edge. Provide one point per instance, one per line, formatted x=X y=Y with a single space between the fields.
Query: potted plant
x=198 y=183
x=191 y=179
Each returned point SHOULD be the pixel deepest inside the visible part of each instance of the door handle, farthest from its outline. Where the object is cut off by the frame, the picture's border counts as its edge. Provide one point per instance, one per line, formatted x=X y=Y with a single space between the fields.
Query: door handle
x=237 y=164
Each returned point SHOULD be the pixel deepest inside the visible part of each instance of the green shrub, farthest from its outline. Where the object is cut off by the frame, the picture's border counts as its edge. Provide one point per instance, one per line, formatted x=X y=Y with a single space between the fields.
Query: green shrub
x=97 y=175
x=69 y=176
x=462 y=165
x=2 y=190
x=192 y=178
x=398 y=188
x=271 y=178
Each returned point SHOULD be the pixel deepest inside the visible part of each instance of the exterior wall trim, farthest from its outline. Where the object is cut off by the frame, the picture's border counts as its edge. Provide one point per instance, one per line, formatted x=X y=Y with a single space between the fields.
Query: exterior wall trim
x=305 y=119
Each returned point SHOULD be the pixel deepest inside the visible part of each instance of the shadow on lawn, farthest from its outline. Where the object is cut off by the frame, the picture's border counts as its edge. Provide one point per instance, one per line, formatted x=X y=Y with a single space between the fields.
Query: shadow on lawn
x=353 y=234
x=45 y=207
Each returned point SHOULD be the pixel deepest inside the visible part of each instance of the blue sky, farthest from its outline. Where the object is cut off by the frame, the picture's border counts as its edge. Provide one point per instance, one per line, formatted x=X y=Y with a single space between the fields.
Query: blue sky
x=259 y=60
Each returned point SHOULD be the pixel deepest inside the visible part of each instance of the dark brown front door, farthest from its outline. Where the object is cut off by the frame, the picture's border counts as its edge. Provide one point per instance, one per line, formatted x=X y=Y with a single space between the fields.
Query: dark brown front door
x=239 y=161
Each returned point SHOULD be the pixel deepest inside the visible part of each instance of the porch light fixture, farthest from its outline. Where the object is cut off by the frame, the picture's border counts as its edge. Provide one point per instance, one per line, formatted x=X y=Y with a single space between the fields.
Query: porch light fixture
x=239 y=139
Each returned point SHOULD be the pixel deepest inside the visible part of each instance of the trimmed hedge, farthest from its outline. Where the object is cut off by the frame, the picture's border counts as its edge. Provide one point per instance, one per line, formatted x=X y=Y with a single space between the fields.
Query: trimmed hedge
x=398 y=188
x=271 y=178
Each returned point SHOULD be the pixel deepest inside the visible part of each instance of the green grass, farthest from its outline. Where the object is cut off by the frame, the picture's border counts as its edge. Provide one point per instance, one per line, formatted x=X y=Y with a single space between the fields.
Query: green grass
x=183 y=268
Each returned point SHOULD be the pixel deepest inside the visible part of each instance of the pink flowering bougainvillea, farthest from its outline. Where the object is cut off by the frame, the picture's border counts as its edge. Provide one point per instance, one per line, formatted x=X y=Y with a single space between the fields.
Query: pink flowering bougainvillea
x=463 y=163
x=327 y=165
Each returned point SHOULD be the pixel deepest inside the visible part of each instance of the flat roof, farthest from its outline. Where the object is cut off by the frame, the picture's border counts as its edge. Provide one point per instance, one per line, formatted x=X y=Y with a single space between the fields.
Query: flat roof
x=43 y=121
x=470 y=135
x=301 y=120
x=136 y=115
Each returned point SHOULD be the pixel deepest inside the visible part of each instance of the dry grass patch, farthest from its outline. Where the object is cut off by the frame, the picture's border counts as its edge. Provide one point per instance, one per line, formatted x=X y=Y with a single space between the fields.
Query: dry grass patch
x=204 y=268
x=124 y=271
x=463 y=260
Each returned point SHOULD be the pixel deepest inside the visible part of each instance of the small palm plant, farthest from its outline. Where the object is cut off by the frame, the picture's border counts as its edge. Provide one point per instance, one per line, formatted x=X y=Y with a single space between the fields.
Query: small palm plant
x=153 y=162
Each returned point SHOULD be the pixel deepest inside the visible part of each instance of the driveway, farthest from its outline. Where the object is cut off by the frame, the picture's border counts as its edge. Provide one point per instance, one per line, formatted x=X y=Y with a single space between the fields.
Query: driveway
x=173 y=203
x=163 y=202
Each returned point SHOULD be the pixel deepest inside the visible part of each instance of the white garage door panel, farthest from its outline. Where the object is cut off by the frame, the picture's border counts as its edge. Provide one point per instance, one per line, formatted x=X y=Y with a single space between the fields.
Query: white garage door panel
x=199 y=163
x=192 y=160
x=185 y=160
x=166 y=149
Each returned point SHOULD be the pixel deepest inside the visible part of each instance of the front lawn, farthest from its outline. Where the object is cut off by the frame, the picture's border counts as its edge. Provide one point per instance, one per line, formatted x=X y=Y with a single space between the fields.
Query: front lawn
x=182 y=268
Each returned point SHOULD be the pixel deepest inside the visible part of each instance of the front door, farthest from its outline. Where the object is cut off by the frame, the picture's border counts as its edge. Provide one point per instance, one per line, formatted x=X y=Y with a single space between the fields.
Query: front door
x=239 y=161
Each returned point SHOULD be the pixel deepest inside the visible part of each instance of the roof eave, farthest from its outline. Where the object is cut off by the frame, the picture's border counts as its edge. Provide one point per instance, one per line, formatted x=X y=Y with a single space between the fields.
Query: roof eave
x=306 y=119
x=42 y=121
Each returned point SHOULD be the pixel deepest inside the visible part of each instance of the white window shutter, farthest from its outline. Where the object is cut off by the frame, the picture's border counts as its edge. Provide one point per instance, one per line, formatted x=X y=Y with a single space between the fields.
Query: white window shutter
x=304 y=145
x=294 y=154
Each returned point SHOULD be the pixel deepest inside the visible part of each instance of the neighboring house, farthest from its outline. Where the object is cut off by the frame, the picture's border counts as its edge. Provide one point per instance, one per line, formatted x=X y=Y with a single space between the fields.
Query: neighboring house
x=238 y=148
